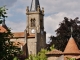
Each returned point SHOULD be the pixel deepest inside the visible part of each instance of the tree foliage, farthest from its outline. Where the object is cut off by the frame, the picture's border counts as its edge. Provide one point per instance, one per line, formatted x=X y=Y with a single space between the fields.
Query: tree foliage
x=70 y=58
x=3 y=12
x=7 y=50
x=40 y=56
x=63 y=33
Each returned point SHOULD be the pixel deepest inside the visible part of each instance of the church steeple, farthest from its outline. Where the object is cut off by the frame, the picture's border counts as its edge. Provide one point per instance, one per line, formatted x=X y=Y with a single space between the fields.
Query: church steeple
x=34 y=5
x=36 y=38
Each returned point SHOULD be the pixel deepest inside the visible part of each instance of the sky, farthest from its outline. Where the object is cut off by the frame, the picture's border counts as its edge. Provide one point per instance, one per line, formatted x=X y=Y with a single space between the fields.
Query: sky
x=55 y=11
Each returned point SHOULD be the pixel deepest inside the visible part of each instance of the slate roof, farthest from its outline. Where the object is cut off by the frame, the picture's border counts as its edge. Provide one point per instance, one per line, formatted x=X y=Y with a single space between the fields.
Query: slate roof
x=34 y=5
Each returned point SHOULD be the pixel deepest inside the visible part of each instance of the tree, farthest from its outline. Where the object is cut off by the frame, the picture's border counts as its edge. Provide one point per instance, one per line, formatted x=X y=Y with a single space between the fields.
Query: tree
x=71 y=58
x=63 y=33
x=7 y=50
x=40 y=56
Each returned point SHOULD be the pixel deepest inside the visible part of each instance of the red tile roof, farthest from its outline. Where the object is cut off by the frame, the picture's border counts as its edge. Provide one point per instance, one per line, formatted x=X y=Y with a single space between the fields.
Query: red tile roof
x=2 y=29
x=71 y=47
x=55 y=51
x=18 y=34
x=22 y=35
x=31 y=35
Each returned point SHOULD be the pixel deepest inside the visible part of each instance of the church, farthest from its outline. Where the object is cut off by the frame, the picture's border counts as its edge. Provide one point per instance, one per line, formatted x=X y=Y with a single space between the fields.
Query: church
x=33 y=38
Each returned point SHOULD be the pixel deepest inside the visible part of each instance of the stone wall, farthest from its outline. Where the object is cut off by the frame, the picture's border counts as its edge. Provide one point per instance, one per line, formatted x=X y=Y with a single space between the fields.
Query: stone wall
x=21 y=43
x=31 y=45
x=52 y=58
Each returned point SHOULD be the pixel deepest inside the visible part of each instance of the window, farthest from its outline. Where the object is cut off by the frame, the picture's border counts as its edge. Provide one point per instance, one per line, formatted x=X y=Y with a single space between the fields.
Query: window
x=32 y=22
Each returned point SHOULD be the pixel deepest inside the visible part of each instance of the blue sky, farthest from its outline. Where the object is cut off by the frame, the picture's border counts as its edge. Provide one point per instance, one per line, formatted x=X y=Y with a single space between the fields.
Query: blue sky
x=55 y=11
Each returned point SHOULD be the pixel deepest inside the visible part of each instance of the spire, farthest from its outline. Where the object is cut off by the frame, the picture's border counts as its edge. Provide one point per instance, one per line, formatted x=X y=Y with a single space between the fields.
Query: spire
x=71 y=47
x=34 y=5
x=3 y=22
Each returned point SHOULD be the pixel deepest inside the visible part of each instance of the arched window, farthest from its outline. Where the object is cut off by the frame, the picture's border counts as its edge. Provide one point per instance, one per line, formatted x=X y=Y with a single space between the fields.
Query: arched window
x=32 y=22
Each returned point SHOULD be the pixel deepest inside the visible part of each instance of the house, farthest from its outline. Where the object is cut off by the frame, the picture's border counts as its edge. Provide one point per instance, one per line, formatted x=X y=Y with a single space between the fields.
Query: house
x=71 y=51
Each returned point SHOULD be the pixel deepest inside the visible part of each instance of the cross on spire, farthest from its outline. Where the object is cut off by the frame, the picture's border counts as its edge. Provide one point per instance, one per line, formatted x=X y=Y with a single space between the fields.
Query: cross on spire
x=34 y=5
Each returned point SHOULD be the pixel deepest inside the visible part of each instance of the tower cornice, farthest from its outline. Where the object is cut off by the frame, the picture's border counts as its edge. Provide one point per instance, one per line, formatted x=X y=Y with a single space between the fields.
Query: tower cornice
x=28 y=13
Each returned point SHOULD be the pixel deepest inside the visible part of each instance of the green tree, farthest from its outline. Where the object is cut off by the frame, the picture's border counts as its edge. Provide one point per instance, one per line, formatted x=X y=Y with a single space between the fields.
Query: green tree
x=63 y=33
x=70 y=58
x=40 y=56
x=7 y=50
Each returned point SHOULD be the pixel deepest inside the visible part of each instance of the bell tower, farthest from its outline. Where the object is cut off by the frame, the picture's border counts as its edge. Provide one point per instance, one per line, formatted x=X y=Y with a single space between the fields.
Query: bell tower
x=36 y=36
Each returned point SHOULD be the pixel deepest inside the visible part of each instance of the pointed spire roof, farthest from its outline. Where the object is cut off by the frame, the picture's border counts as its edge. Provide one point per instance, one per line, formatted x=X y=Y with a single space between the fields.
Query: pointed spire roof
x=34 y=5
x=71 y=47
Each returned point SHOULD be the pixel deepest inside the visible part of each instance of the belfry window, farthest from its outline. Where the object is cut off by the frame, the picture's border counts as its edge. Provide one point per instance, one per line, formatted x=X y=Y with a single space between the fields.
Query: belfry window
x=32 y=22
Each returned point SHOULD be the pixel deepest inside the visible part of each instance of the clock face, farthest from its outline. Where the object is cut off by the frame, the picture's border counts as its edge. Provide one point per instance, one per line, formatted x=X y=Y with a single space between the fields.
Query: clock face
x=33 y=31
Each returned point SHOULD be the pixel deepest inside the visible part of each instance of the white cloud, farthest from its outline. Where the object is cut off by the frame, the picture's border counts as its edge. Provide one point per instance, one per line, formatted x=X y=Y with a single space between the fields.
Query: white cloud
x=20 y=10
x=47 y=38
x=53 y=6
x=52 y=22
x=16 y=27
x=55 y=11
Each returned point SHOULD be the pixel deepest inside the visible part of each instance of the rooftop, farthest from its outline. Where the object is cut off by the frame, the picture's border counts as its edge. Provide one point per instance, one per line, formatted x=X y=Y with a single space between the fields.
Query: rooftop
x=55 y=51
x=22 y=35
x=2 y=29
x=71 y=47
